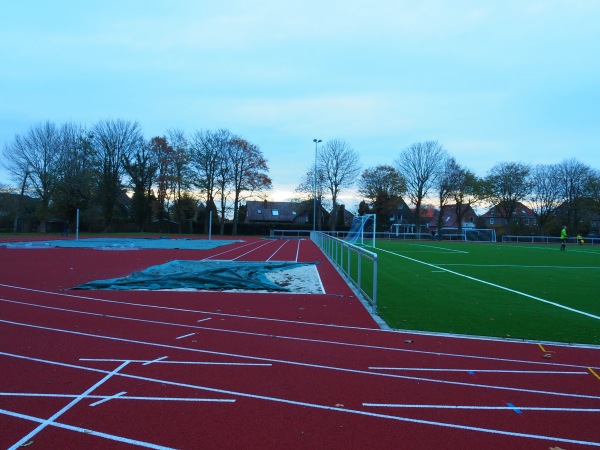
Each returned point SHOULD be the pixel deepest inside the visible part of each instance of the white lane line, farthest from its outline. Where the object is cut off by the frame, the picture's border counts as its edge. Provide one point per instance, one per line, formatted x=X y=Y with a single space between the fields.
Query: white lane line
x=200 y=363
x=319 y=341
x=558 y=305
x=298 y=250
x=333 y=408
x=253 y=250
x=483 y=408
x=275 y=252
x=427 y=369
x=111 y=437
x=295 y=322
x=303 y=364
x=120 y=397
x=63 y=410
x=237 y=247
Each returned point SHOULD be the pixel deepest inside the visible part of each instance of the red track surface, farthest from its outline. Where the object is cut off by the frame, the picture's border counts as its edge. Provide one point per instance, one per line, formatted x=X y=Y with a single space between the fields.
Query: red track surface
x=114 y=369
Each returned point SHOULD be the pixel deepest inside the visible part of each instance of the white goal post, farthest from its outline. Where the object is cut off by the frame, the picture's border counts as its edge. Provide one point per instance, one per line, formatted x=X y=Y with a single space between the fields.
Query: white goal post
x=362 y=226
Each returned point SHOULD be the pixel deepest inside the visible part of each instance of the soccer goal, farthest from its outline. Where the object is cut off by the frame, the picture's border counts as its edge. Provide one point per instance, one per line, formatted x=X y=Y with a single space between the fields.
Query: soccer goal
x=479 y=235
x=363 y=227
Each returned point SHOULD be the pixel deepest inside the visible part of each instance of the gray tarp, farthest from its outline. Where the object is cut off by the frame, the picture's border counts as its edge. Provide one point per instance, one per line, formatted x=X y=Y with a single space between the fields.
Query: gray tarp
x=215 y=275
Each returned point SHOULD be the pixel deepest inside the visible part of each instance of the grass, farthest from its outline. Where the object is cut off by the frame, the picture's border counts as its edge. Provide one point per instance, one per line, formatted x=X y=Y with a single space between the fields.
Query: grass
x=519 y=291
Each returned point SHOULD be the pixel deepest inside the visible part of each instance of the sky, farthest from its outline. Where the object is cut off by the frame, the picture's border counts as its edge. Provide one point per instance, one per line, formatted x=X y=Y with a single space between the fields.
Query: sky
x=490 y=80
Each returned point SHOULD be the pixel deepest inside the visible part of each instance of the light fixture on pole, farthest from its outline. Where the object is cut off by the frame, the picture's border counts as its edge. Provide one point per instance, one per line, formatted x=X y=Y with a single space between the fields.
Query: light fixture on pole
x=316 y=141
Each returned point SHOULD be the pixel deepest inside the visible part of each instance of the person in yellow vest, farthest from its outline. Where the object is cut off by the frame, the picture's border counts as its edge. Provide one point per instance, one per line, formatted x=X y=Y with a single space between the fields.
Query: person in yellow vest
x=563 y=238
x=579 y=239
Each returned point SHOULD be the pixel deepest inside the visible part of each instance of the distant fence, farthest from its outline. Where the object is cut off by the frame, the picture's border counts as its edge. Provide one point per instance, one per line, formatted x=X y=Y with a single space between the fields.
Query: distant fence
x=467 y=234
x=357 y=264
x=548 y=240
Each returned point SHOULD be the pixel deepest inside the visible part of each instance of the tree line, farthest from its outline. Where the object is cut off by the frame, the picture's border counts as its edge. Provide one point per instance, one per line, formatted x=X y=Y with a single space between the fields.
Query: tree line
x=566 y=193
x=69 y=167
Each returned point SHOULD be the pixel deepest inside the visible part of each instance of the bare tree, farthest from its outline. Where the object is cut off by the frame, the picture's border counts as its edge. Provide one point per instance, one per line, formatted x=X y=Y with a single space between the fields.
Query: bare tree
x=249 y=173
x=34 y=158
x=341 y=168
x=420 y=164
x=545 y=193
x=310 y=195
x=142 y=168
x=445 y=187
x=113 y=143
x=181 y=175
x=574 y=178
x=507 y=184
x=206 y=150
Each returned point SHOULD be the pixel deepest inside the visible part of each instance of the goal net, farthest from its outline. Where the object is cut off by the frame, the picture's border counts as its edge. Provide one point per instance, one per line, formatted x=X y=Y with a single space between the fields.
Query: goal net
x=479 y=235
x=363 y=227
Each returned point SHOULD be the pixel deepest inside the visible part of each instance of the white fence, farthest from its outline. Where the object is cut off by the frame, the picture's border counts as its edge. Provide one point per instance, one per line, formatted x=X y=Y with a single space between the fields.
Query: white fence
x=357 y=264
x=548 y=240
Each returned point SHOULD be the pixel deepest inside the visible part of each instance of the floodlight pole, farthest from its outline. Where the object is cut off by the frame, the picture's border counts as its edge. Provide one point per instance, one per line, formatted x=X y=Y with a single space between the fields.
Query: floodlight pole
x=316 y=141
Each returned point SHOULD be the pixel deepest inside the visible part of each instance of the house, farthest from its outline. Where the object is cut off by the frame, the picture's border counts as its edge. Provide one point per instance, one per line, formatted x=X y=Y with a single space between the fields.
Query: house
x=276 y=212
x=450 y=217
x=522 y=215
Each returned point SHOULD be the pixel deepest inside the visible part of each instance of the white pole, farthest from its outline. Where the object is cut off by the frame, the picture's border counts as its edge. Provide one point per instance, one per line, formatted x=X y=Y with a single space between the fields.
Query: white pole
x=77 y=226
x=210 y=225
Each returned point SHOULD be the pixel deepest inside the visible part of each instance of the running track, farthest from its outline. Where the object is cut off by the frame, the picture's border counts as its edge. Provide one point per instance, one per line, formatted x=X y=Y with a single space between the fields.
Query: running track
x=113 y=369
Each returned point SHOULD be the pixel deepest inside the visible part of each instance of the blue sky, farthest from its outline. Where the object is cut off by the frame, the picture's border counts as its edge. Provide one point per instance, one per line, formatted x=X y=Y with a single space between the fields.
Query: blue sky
x=492 y=81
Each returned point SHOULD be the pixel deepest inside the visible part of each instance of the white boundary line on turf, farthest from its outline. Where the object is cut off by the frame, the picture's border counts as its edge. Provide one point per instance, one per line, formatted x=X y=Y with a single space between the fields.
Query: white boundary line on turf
x=324 y=407
x=522 y=267
x=446 y=250
x=533 y=297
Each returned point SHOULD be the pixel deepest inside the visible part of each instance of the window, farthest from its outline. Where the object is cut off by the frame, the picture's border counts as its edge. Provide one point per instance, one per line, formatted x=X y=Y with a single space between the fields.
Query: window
x=293 y=213
x=259 y=211
x=471 y=219
x=275 y=212
x=491 y=221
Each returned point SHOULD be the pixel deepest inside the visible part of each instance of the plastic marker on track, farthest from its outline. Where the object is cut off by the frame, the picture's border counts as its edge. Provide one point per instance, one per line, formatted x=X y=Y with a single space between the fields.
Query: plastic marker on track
x=514 y=408
x=594 y=373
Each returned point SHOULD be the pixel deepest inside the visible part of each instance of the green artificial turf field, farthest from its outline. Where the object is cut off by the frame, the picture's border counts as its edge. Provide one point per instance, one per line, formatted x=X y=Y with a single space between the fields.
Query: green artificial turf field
x=518 y=291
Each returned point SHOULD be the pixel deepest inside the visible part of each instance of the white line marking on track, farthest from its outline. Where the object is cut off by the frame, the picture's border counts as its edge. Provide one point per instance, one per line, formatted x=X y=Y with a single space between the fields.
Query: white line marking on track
x=105 y=399
x=500 y=408
x=120 y=397
x=111 y=437
x=185 y=335
x=297 y=322
x=301 y=364
x=332 y=408
x=63 y=410
x=201 y=363
x=427 y=369
x=275 y=252
x=147 y=363
x=320 y=341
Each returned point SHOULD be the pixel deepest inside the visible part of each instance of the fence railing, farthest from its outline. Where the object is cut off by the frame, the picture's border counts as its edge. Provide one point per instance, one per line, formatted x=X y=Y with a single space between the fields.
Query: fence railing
x=357 y=264
x=549 y=240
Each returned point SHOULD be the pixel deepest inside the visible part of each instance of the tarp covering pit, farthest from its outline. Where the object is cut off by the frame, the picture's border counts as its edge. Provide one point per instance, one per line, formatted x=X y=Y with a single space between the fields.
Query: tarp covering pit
x=199 y=275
